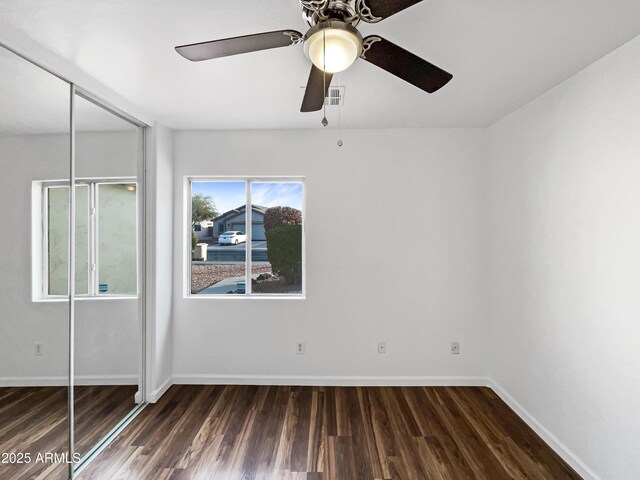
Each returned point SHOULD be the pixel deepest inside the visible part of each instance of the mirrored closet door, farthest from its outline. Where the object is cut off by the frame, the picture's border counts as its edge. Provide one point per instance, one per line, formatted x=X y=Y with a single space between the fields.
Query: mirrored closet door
x=34 y=301
x=71 y=272
x=108 y=320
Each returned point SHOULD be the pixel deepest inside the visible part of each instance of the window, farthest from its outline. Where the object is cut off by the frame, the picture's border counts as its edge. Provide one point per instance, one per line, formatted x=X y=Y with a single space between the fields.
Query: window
x=256 y=251
x=106 y=239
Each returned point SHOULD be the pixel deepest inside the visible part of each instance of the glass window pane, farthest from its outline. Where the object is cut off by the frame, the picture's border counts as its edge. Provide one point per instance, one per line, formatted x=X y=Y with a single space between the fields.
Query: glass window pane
x=218 y=250
x=117 y=233
x=58 y=239
x=276 y=250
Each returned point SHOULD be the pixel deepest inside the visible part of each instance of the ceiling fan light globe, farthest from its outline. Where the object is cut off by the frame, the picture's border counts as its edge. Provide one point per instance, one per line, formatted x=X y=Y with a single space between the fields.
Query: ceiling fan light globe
x=333 y=50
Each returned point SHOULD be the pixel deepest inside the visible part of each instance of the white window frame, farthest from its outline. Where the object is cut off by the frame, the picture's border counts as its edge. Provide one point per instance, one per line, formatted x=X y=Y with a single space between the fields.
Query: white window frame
x=41 y=188
x=248 y=180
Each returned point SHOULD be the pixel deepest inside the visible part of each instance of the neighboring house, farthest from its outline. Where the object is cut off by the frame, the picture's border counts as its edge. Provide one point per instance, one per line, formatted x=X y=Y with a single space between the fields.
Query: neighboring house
x=203 y=229
x=235 y=220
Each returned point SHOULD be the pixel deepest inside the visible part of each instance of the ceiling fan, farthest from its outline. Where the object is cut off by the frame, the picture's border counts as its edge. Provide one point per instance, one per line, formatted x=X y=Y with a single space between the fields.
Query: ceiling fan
x=332 y=44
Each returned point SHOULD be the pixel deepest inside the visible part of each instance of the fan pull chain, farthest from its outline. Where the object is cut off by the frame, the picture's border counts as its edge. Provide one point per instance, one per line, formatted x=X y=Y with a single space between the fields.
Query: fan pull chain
x=325 y=122
x=340 y=112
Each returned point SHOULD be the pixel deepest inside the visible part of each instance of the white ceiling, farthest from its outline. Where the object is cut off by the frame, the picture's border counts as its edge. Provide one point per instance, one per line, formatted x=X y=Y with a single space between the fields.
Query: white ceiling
x=35 y=102
x=503 y=53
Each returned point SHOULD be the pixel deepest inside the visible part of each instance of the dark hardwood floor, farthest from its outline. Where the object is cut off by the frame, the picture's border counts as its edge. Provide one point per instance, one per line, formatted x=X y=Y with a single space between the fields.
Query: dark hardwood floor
x=34 y=420
x=322 y=433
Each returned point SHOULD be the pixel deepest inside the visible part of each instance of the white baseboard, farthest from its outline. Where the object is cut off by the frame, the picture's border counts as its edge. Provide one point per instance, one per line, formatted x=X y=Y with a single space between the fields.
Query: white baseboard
x=158 y=392
x=64 y=381
x=549 y=438
x=106 y=380
x=338 y=381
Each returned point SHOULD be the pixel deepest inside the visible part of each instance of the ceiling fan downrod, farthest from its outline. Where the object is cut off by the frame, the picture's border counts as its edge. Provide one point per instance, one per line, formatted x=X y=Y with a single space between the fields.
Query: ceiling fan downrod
x=348 y=11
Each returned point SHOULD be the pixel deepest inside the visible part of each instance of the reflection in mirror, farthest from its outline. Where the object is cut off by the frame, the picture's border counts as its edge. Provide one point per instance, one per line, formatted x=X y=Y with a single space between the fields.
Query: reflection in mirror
x=34 y=347
x=108 y=344
x=56 y=217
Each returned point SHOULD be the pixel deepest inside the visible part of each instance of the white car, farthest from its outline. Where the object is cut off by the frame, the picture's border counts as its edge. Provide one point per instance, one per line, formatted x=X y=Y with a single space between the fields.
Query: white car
x=232 y=237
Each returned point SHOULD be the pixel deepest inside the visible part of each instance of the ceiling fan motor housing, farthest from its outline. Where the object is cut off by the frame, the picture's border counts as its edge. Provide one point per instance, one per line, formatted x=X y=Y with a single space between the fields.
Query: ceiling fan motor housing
x=318 y=11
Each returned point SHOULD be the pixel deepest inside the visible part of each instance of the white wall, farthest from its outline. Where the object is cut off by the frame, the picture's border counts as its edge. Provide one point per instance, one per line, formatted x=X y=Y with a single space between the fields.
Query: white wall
x=107 y=330
x=22 y=323
x=160 y=230
x=564 y=245
x=411 y=276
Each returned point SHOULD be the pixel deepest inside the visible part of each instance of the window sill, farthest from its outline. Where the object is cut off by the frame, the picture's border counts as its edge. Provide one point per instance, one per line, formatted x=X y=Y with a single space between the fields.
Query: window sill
x=245 y=297
x=83 y=299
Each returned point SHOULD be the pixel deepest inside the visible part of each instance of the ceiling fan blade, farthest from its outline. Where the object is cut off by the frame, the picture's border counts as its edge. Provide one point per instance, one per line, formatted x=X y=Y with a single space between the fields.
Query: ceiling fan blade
x=316 y=91
x=197 y=52
x=373 y=11
x=403 y=64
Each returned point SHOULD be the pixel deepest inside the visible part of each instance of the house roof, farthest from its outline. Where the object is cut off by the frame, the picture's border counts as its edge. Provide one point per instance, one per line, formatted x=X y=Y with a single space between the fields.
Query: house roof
x=239 y=210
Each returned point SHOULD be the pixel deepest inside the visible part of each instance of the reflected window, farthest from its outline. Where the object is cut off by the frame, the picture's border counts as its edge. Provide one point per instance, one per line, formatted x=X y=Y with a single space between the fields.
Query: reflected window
x=106 y=239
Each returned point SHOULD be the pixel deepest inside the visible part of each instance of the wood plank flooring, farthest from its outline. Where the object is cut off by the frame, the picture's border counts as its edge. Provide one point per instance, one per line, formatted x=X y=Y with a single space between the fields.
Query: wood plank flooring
x=34 y=420
x=323 y=433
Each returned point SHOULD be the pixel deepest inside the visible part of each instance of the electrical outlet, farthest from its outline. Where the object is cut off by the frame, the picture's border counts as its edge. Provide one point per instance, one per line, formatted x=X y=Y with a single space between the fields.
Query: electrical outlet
x=300 y=348
x=455 y=348
x=38 y=349
x=382 y=347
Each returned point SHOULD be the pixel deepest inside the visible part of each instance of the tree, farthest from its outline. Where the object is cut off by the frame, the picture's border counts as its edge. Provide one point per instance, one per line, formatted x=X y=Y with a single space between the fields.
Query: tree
x=284 y=250
x=283 y=229
x=202 y=208
x=280 y=216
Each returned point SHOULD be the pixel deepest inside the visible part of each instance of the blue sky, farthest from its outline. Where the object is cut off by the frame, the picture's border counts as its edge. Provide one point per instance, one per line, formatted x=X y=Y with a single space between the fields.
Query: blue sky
x=229 y=195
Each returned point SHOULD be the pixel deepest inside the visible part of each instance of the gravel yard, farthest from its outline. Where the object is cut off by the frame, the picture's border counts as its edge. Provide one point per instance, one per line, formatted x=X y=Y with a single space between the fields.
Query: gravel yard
x=275 y=285
x=203 y=276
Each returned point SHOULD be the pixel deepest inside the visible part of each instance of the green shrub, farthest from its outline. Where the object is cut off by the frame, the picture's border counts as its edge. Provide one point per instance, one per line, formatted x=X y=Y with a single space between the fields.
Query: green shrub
x=194 y=240
x=275 y=217
x=284 y=249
